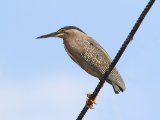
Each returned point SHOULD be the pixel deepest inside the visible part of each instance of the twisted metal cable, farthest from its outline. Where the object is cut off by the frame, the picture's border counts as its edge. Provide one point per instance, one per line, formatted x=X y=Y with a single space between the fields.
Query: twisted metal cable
x=117 y=57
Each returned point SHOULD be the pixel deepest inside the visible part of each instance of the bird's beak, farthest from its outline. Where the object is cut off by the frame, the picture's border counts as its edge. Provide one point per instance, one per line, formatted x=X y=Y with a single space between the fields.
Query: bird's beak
x=54 y=34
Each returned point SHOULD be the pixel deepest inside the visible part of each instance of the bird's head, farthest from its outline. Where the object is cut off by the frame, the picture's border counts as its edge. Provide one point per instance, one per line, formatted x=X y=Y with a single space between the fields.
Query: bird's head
x=63 y=32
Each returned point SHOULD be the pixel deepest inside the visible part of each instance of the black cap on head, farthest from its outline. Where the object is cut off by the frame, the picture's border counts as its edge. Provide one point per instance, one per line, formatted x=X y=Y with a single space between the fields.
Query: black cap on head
x=72 y=27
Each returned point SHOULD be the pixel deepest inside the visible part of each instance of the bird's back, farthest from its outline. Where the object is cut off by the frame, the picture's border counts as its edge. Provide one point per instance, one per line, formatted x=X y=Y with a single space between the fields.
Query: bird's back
x=96 y=56
x=94 y=60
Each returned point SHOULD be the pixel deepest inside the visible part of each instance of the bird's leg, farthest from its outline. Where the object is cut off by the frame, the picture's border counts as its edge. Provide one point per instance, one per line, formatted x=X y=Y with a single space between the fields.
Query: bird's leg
x=89 y=102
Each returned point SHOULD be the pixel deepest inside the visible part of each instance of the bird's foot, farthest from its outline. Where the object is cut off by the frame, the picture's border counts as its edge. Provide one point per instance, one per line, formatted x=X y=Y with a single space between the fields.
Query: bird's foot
x=89 y=102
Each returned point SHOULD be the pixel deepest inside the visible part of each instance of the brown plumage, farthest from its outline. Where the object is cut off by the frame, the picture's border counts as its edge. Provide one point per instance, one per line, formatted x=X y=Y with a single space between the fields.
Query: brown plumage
x=88 y=54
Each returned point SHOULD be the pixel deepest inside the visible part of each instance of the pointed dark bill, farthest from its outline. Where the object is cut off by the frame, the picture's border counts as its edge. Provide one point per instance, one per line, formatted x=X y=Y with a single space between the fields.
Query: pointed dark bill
x=48 y=35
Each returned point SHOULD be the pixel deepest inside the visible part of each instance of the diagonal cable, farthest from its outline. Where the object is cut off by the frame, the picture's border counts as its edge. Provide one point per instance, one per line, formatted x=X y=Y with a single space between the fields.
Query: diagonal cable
x=117 y=57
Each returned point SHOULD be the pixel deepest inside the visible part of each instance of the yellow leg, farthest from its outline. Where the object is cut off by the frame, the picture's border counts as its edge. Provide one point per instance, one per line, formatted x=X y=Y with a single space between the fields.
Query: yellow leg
x=90 y=102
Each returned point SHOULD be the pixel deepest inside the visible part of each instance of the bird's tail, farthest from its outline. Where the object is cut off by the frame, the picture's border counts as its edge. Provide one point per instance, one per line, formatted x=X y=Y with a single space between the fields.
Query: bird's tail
x=116 y=81
x=117 y=88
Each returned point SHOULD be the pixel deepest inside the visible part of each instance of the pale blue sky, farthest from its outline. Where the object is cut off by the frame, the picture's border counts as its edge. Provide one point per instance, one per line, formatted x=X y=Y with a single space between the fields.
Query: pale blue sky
x=38 y=81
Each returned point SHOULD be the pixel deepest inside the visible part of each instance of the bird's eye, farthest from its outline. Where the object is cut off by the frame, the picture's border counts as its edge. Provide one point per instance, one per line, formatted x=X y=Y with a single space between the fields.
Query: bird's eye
x=62 y=31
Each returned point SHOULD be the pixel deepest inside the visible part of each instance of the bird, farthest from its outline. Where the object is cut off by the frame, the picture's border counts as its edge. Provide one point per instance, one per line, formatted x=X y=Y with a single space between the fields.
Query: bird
x=88 y=54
